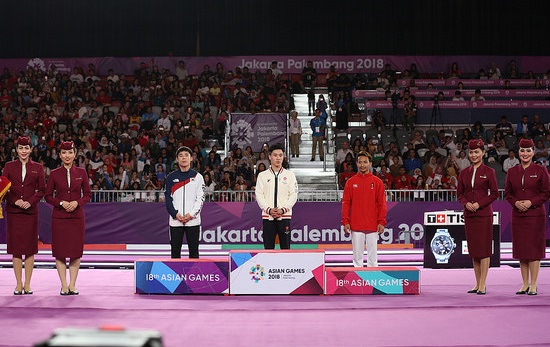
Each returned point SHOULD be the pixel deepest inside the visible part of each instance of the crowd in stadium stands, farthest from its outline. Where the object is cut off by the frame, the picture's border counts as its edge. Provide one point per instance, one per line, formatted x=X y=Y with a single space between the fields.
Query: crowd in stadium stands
x=433 y=159
x=127 y=128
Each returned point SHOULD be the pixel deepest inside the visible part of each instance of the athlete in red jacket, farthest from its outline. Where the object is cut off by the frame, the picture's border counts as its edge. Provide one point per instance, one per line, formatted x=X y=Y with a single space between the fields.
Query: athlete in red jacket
x=364 y=211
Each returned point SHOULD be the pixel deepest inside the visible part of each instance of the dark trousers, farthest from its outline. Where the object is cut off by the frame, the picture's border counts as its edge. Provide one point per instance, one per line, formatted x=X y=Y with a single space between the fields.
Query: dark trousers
x=272 y=228
x=176 y=240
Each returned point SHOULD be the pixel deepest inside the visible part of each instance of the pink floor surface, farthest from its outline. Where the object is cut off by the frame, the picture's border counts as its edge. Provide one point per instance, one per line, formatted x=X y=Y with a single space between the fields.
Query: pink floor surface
x=442 y=315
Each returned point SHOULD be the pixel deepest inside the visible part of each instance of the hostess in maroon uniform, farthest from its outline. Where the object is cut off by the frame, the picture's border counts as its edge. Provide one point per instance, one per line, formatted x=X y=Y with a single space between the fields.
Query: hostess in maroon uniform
x=22 y=224
x=528 y=227
x=479 y=224
x=476 y=190
x=68 y=227
x=527 y=189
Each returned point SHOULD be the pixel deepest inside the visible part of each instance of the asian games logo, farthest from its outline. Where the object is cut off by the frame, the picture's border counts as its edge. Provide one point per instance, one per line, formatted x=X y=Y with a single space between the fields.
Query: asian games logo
x=257 y=273
x=37 y=64
x=241 y=133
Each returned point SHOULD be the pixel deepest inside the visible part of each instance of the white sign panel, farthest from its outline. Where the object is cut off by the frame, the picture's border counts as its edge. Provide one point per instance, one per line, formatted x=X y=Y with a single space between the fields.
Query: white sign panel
x=277 y=272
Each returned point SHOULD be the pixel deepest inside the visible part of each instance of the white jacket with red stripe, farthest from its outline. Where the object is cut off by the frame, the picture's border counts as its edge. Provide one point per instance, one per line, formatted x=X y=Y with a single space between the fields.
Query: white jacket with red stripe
x=287 y=192
x=184 y=193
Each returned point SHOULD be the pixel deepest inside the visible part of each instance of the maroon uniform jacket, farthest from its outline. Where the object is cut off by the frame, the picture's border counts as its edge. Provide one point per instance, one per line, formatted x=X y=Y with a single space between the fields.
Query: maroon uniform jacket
x=31 y=189
x=484 y=191
x=78 y=191
x=535 y=187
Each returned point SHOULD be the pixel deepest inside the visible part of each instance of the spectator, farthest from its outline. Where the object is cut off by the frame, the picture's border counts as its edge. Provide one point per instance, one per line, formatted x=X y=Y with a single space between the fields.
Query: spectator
x=402 y=180
x=317 y=125
x=262 y=159
x=122 y=178
x=412 y=162
x=477 y=96
x=419 y=183
x=310 y=101
x=164 y=123
x=504 y=126
x=458 y=96
x=332 y=76
x=410 y=111
x=455 y=71
x=378 y=121
x=462 y=161
x=323 y=106
x=524 y=127
x=209 y=186
x=538 y=128
x=309 y=77
x=149 y=119
x=494 y=72
x=429 y=168
x=513 y=70
x=541 y=153
x=383 y=172
x=275 y=70
x=395 y=164
x=418 y=141
x=342 y=112
x=499 y=146
x=467 y=136
x=249 y=156
x=511 y=161
x=348 y=161
x=347 y=173
x=482 y=74
x=478 y=131
x=437 y=179
x=413 y=71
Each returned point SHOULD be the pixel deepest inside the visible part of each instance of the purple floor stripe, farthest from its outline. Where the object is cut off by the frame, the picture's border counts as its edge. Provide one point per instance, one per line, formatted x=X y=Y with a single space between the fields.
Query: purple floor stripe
x=442 y=315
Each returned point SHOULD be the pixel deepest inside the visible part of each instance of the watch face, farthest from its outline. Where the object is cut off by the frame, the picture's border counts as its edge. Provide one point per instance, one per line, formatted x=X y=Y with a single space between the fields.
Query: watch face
x=442 y=245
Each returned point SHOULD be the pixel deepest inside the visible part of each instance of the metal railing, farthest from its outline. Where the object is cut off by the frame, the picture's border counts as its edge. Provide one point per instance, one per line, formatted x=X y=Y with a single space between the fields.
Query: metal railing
x=249 y=195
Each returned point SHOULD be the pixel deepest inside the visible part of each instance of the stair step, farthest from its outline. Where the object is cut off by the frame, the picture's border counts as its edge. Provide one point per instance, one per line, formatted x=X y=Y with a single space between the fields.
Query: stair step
x=311 y=175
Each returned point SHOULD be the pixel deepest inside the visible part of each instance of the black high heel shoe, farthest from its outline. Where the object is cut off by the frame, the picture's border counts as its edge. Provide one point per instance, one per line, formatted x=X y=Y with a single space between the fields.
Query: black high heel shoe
x=73 y=292
x=532 y=292
x=479 y=292
x=521 y=292
x=17 y=292
x=472 y=291
x=61 y=292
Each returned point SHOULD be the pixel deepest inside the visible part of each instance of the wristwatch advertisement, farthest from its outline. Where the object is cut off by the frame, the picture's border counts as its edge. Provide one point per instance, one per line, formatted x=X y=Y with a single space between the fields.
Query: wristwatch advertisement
x=442 y=245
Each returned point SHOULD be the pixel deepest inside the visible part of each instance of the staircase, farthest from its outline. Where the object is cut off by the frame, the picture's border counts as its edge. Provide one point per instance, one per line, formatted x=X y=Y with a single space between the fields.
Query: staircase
x=312 y=175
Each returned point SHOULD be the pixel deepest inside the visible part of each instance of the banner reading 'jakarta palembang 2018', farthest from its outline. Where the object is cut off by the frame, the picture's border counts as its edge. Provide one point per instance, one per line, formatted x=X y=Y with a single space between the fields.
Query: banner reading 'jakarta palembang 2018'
x=233 y=224
x=256 y=129
x=288 y=64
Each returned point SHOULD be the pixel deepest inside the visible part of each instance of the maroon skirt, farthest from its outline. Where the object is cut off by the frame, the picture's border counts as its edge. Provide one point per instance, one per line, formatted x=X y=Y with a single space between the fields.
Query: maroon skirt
x=479 y=235
x=22 y=234
x=68 y=237
x=528 y=239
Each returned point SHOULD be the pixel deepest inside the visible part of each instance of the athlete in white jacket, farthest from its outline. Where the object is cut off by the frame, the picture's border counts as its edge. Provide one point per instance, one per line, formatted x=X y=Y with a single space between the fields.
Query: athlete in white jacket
x=184 y=196
x=276 y=194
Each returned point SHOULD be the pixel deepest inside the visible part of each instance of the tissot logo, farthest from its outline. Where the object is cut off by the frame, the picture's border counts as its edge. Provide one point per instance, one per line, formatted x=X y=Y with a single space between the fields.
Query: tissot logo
x=448 y=218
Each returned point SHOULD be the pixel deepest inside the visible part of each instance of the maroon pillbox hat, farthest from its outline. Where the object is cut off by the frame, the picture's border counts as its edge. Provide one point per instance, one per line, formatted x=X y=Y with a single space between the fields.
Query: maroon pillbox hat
x=23 y=141
x=526 y=143
x=476 y=143
x=67 y=145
